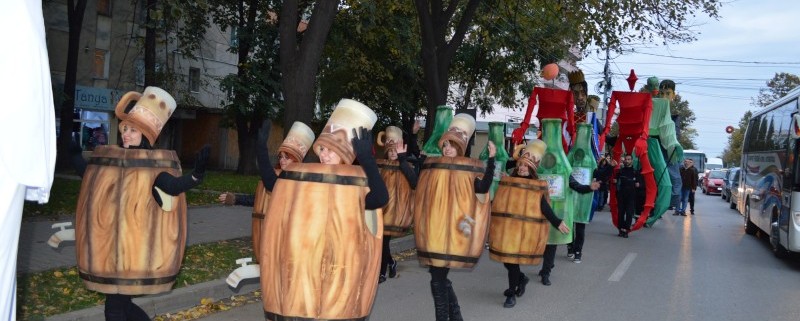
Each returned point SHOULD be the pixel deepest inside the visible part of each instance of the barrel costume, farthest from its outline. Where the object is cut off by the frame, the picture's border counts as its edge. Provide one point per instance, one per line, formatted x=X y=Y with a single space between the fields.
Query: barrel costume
x=520 y=213
x=321 y=241
x=451 y=213
x=401 y=180
x=130 y=228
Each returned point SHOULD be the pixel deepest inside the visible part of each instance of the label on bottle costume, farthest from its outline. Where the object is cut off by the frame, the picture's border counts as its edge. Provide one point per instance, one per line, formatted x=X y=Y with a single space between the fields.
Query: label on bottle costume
x=555 y=185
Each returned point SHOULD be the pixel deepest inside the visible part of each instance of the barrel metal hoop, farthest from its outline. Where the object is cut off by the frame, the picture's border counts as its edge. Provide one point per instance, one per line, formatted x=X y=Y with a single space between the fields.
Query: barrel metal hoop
x=259 y=216
x=525 y=186
x=447 y=257
x=389 y=167
x=277 y=317
x=324 y=178
x=519 y=217
x=455 y=167
x=126 y=163
x=518 y=256
x=121 y=281
x=392 y=228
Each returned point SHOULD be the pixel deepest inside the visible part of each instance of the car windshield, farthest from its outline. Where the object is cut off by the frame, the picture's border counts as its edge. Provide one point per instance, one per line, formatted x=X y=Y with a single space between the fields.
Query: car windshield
x=716 y=174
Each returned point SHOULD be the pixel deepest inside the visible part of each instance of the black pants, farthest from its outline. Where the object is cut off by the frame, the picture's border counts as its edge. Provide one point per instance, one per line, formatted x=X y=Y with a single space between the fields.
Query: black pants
x=513 y=275
x=549 y=259
x=386 y=258
x=120 y=307
x=580 y=236
x=625 y=210
x=438 y=274
x=691 y=201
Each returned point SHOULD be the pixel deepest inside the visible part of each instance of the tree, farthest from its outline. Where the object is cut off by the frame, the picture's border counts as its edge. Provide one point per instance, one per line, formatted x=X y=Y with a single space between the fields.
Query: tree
x=75 y=11
x=780 y=85
x=605 y=24
x=733 y=152
x=686 y=118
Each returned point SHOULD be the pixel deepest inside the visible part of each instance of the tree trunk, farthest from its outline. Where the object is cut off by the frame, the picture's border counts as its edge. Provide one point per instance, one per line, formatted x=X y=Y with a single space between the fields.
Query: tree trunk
x=246 y=126
x=75 y=12
x=300 y=60
x=150 y=46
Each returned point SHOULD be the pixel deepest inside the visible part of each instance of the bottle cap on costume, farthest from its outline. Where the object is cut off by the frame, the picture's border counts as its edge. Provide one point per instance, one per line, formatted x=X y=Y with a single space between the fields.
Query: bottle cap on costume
x=297 y=141
x=458 y=133
x=393 y=136
x=576 y=77
x=153 y=108
x=338 y=132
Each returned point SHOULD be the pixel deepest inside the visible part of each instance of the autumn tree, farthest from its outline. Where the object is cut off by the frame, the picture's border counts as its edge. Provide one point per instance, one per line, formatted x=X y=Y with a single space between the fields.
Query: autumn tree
x=780 y=85
x=686 y=118
x=732 y=154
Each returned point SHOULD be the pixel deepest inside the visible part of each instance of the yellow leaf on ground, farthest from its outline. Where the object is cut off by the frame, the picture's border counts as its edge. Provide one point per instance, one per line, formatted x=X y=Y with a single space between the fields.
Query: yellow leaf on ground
x=206 y=301
x=58 y=274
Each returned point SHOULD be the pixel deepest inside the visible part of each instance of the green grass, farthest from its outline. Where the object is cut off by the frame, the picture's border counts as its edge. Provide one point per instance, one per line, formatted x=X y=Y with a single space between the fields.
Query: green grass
x=64 y=194
x=60 y=290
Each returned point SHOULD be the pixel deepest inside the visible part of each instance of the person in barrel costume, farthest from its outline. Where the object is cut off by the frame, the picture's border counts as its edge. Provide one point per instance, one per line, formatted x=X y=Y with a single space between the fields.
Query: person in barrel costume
x=321 y=241
x=131 y=216
x=518 y=231
x=401 y=180
x=451 y=208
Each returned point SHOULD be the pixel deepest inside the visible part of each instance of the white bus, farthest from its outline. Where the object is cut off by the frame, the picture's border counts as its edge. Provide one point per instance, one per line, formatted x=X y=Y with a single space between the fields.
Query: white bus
x=699 y=158
x=770 y=180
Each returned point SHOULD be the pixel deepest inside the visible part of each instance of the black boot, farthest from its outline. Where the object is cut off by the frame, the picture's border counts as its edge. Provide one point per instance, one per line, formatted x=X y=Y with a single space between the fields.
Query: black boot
x=511 y=300
x=523 y=281
x=545 y=278
x=441 y=300
x=392 y=269
x=455 y=310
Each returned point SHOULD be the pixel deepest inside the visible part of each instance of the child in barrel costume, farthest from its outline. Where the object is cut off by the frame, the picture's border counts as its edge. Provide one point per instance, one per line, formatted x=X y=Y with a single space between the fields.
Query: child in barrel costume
x=131 y=216
x=451 y=212
x=401 y=180
x=520 y=210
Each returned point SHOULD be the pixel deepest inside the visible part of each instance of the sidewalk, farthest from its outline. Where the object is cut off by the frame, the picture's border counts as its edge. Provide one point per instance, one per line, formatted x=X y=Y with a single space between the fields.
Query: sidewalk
x=205 y=224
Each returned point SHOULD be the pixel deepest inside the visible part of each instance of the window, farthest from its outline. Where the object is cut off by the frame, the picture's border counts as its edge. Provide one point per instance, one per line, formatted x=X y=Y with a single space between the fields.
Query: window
x=234 y=41
x=100 y=67
x=94 y=129
x=104 y=7
x=194 y=80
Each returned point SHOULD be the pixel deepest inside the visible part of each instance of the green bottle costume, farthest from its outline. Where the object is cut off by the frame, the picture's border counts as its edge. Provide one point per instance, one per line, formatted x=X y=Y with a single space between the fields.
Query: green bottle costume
x=444 y=115
x=583 y=165
x=497 y=135
x=555 y=169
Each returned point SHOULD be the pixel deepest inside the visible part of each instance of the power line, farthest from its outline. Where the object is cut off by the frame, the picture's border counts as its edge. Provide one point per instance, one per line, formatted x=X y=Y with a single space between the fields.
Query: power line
x=720 y=60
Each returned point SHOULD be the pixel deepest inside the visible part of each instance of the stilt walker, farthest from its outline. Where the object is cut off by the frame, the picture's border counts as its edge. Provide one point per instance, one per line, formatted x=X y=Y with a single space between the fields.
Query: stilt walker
x=662 y=138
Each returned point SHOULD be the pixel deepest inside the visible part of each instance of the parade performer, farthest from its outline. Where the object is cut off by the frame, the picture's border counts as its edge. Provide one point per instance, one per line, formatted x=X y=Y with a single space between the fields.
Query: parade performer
x=518 y=231
x=130 y=230
x=321 y=238
x=292 y=150
x=451 y=212
x=634 y=121
x=662 y=138
x=627 y=181
x=674 y=158
x=28 y=147
x=401 y=180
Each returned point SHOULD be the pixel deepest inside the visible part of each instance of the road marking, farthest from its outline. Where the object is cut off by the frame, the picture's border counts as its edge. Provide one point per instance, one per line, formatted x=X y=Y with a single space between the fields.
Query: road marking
x=622 y=268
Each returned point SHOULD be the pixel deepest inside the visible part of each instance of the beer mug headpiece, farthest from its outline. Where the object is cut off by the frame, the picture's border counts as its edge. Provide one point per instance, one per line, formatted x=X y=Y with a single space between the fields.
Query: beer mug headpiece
x=338 y=132
x=297 y=141
x=458 y=133
x=390 y=138
x=153 y=108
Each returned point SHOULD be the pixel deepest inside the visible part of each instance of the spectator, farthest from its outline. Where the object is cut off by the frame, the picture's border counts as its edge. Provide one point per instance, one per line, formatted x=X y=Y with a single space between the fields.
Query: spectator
x=689 y=178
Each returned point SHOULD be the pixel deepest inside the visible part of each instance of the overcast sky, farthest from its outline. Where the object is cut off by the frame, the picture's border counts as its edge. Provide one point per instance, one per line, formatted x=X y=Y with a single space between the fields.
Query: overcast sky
x=722 y=70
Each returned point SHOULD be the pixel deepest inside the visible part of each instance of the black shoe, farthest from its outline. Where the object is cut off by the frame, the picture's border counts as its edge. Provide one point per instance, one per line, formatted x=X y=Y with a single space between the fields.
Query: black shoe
x=441 y=300
x=523 y=281
x=454 y=309
x=625 y=234
x=692 y=212
x=546 y=280
x=676 y=213
x=381 y=279
x=683 y=214
x=393 y=269
x=511 y=301
x=621 y=232
x=577 y=257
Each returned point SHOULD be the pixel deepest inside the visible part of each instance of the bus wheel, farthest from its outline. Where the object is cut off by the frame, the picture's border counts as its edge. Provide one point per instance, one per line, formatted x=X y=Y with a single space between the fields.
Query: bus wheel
x=749 y=227
x=774 y=239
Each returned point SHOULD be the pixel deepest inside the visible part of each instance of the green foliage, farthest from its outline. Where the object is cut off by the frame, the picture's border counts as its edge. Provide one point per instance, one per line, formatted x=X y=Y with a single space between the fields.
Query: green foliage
x=780 y=85
x=733 y=152
x=686 y=118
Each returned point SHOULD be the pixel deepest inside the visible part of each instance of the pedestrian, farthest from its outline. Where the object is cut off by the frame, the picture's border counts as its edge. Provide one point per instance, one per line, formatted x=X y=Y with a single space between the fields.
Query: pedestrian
x=28 y=129
x=451 y=212
x=320 y=247
x=628 y=180
x=603 y=175
x=401 y=180
x=518 y=232
x=113 y=241
x=689 y=185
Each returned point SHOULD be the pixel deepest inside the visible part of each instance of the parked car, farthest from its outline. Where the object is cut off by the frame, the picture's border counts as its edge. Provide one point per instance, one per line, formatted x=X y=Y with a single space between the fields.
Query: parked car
x=734 y=191
x=727 y=182
x=712 y=182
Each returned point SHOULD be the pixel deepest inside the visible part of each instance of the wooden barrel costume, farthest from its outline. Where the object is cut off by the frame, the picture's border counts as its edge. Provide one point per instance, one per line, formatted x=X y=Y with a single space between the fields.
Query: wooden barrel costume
x=320 y=250
x=518 y=230
x=444 y=197
x=399 y=211
x=260 y=204
x=125 y=242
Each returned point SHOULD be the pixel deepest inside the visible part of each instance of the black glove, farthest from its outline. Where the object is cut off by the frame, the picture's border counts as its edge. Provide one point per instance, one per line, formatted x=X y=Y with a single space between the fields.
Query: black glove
x=362 y=143
x=200 y=162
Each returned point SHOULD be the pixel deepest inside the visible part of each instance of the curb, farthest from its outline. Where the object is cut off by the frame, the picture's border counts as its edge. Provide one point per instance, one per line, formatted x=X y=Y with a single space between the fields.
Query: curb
x=190 y=296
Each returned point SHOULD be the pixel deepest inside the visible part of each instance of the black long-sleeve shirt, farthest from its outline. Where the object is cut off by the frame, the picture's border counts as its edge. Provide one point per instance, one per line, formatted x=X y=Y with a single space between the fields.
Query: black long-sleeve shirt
x=169 y=184
x=578 y=187
x=408 y=171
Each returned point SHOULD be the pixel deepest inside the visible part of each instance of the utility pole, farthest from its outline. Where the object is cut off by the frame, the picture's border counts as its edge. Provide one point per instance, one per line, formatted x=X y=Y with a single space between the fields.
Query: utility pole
x=606 y=86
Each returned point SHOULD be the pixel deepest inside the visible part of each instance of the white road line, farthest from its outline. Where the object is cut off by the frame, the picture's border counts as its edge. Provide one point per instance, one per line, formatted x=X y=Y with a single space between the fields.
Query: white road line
x=622 y=268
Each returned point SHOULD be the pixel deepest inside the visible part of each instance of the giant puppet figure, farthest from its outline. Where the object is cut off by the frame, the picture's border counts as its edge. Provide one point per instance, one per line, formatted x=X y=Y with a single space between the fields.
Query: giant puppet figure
x=634 y=122
x=662 y=137
x=321 y=241
x=674 y=158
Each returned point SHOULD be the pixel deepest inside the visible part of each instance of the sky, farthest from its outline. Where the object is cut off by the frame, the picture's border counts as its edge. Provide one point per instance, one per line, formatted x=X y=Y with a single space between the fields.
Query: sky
x=720 y=72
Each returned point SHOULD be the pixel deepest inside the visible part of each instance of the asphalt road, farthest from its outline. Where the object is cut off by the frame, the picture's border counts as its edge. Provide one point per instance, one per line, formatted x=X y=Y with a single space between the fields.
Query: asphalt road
x=700 y=267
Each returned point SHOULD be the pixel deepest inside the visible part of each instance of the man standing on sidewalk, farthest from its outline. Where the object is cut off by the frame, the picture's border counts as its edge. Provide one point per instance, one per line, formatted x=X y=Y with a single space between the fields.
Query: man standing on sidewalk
x=689 y=179
x=27 y=126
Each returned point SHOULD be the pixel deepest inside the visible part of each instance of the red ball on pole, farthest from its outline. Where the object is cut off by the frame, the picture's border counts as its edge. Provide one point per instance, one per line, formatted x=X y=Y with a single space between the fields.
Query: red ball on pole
x=729 y=129
x=550 y=71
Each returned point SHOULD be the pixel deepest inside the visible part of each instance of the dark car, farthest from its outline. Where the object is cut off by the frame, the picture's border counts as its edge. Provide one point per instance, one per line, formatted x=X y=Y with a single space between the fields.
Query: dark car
x=734 y=192
x=727 y=183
